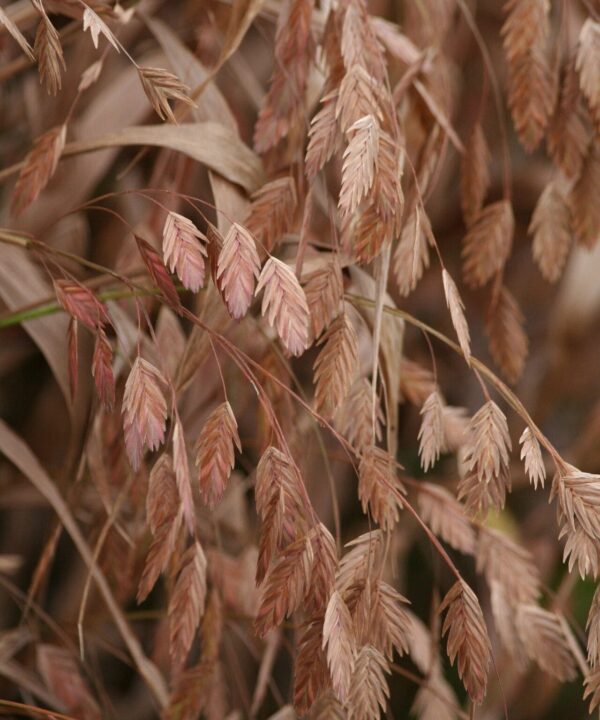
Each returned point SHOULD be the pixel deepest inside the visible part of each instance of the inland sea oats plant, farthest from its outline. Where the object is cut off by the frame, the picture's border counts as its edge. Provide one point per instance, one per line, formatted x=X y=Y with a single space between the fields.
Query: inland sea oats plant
x=299 y=350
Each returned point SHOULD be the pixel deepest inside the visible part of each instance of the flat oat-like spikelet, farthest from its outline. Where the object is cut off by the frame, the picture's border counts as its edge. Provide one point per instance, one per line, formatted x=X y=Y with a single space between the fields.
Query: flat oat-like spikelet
x=38 y=167
x=467 y=638
x=81 y=303
x=531 y=454
x=487 y=449
x=181 y=466
x=284 y=304
x=431 y=433
x=505 y=562
x=585 y=209
x=578 y=496
x=379 y=488
x=49 y=54
x=186 y=605
x=340 y=646
x=545 y=642
x=324 y=290
x=144 y=410
x=588 y=65
x=506 y=336
x=358 y=97
x=551 y=229
x=446 y=517
x=272 y=210
x=102 y=371
x=280 y=503
x=215 y=456
x=456 y=307
x=354 y=417
x=530 y=85
x=163 y=514
x=158 y=272
x=593 y=630
x=369 y=691
x=388 y=624
x=237 y=268
x=60 y=671
x=475 y=174
x=364 y=552
x=184 y=250
x=360 y=163
x=17 y=35
x=323 y=136
x=161 y=86
x=592 y=687
x=568 y=136
x=411 y=257
x=311 y=675
x=285 y=585
x=335 y=366
x=488 y=242
x=325 y=560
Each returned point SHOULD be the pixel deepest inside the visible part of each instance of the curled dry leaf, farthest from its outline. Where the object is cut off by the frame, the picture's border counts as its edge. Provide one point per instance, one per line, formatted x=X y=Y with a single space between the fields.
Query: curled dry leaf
x=284 y=304
x=431 y=433
x=339 y=644
x=488 y=242
x=531 y=454
x=184 y=250
x=186 y=605
x=456 y=307
x=144 y=410
x=551 y=229
x=161 y=86
x=38 y=167
x=237 y=268
x=475 y=174
x=272 y=211
x=487 y=476
x=335 y=366
x=215 y=456
x=467 y=638
x=379 y=488
x=506 y=335
x=446 y=517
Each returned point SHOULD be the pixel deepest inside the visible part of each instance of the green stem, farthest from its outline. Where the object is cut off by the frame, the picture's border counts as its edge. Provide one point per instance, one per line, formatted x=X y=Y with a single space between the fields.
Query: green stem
x=51 y=308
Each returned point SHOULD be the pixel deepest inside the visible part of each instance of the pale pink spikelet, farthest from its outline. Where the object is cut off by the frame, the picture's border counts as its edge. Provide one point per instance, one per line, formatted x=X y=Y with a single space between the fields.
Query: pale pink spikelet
x=238 y=267
x=144 y=410
x=284 y=304
x=184 y=250
x=215 y=453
